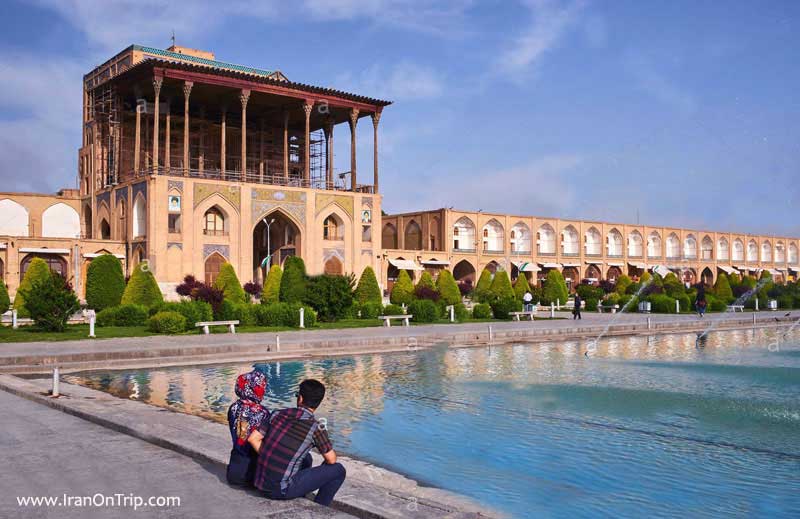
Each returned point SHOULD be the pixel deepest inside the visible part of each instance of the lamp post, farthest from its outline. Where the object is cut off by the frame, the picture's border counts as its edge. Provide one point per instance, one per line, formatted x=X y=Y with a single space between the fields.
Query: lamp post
x=269 y=251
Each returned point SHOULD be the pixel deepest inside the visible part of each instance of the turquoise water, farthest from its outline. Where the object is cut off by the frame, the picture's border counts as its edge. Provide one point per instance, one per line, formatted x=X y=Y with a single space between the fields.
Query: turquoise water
x=646 y=427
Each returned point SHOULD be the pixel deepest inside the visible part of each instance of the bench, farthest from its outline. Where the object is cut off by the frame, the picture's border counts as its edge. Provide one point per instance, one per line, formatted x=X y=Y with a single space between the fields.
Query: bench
x=517 y=315
x=734 y=308
x=205 y=324
x=387 y=319
x=606 y=308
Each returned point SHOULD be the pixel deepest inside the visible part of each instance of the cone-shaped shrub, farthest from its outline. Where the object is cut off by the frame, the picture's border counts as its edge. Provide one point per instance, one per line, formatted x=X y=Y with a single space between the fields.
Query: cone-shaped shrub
x=5 y=302
x=105 y=283
x=37 y=272
x=449 y=292
x=522 y=286
x=555 y=289
x=229 y=284
x=403 y=290
x=501 y=286
x=426 y=280
x=623 y=282
x=293 y=281
x=368 y=290
x=722 y=288
x=272 y=286
x=142 y=288
x=481 y=293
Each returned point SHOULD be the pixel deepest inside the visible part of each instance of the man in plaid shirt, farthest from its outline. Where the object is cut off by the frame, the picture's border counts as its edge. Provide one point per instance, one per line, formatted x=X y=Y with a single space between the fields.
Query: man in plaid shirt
x=283 y=443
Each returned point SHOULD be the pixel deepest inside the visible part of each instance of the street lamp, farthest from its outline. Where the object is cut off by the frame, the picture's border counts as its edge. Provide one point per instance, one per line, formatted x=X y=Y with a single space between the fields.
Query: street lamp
x=269 y=250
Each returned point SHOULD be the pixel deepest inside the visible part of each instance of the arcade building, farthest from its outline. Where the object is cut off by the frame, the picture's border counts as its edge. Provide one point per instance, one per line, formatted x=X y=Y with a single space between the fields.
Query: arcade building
x=188 y=162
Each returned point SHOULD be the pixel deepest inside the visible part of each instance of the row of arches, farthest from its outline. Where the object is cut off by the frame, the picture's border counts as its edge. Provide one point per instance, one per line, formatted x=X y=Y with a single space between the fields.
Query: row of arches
x=58 y=221
x=413 y=236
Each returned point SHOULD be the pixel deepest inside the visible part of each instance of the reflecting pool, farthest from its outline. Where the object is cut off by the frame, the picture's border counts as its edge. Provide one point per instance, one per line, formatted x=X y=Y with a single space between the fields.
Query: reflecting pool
x=645 y=427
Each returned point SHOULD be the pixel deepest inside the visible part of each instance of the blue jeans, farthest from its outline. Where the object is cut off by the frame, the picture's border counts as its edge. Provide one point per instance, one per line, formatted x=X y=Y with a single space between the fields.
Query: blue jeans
x=326 y=478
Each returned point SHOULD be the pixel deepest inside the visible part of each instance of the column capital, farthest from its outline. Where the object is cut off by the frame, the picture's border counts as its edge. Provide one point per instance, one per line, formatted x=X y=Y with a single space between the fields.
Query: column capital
x=376 y=118
x=157 y=82
x=354 y=117
x=308 y=105
x=187 y=88
x=244 y=96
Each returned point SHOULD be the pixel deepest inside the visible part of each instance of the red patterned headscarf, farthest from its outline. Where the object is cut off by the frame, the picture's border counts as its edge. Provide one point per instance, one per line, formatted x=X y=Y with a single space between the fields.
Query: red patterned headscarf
x=247 y=413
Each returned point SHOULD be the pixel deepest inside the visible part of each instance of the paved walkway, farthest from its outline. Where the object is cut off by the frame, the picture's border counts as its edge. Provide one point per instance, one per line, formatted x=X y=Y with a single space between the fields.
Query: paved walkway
x=160 y=350
x=46 y=452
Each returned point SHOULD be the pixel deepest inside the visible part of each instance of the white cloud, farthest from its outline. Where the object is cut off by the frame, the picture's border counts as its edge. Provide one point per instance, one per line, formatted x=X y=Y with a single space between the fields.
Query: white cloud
x=550 y=22
x=401 y=82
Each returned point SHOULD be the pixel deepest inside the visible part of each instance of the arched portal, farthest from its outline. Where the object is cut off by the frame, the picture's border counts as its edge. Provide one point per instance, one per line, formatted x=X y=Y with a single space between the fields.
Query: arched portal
x=707 y=277
x=572 y=277
x=273 y=247
x=56 y=263
x=689 y=276
x=593 y=274
x=464 y=272
x=333 y=267
x=613 y=274
x=105 y=230
x=87 y=222
x=213 y=265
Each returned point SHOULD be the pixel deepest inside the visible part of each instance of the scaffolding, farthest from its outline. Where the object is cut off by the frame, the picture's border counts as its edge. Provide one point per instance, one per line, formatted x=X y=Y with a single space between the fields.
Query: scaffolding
x=107 y=123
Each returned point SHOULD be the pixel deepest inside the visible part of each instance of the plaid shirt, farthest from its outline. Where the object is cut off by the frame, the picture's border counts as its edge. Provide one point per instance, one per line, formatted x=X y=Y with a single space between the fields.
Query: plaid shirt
x=288 y=436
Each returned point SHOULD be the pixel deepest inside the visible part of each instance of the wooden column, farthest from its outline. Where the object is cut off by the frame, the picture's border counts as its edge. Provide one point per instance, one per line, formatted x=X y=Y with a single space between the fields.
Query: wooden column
x=376 y=117
x=353 y=122
x=329 y=153
x=307 y=107
x=261 y=152
x=244 y=96
x=137 y=142
x=222 y=141
x=286 y=145
x=187 y=90
x=167 y=137
x=201 y=152
x=157 y=81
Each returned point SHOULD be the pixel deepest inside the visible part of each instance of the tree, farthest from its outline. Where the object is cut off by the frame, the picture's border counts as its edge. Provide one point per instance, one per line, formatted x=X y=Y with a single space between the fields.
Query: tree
x=37 y=271
x=501 y=286
x=623 y=282
x=555 y=288
x=142 y=288
x=448 y=289
x=272 y=286
x=673 y=286
x=293 y=281
x=521 y=286
x=482 y=288
x=368 y=290
x=5 y=302
x=403 y=290
x=331 y=296
x=722 y=288
x=105 y=282
x=426 y=280
x=228 y=282
x=51 y=302
x=645 y=278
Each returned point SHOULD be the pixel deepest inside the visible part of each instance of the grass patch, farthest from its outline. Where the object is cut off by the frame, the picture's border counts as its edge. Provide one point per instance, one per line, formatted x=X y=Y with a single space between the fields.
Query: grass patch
x=73 y=332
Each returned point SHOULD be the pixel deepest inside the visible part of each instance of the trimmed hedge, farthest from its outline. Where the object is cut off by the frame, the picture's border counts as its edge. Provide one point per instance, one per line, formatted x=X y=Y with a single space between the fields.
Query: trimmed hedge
x=482 y=289
x=284 y=314
x=37 y=272
x=105 y=282
x=167 y=323
x=367 y=290
x=503 y=306
x=142 y=288
x=403 y=289
x=448 y=289
x=662 y=304
x=371 y=310
x=272 y=286
x=330 y=296
x=193 y=311
x=293 y=281
x=722 y=288
x=424 y=311
x=591 y=304
x=392 y=310
x=228 y=282
x=521 y=287
x=461 y=312
x=481 y=311
x=123 y=315
x=501 y=286
x=555 y=288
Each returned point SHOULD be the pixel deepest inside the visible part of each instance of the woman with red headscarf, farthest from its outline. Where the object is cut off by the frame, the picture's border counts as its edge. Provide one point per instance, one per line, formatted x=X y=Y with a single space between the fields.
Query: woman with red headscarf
x=244 y=417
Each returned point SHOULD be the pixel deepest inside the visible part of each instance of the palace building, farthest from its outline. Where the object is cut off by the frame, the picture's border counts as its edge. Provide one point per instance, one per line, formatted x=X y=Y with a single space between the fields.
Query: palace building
x=188 y=162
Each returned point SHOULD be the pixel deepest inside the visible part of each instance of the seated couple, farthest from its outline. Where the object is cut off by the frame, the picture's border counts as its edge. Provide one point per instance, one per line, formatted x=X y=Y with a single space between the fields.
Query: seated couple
x=271 y=450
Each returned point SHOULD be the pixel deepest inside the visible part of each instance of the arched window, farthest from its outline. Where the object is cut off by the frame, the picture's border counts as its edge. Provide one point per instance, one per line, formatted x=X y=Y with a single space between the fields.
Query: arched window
x=780 y=252
x=635 y=244
x=654 y=245
x=493 y=236
x=673 y=246
x=594 y=246
x=707 y=249
x=464 y=235
x=389 y=236
x=87 y=221
x=723 y=252
x=546 y=240
x=105 y=230
x=139 y=218
x=690 y=247
x=212 y=267
x=752 y=251
x=614 y=244
x=56 y=263
x=793 y=254
x=61 y=221
x=766 y=252
x=520 y=238
x=332 y=228
x=570 y=244
x=435 y=233
x=13 y=218
x=738 y=250
x=413 y=236
x=333 y=267
x=214 y=222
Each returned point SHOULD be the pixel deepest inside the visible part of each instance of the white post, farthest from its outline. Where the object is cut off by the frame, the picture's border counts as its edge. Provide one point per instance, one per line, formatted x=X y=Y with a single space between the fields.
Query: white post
x=302 y=317
x=14 y=324
x=56 y=378
x=92 y=317
x=403 y=306
x=552 y=311
x=754 y=318
x=677 y=306
x=558 y=303
x=491 y=336
x=757 y=304
x=452 y=313
x=649 y=325
x=277 y=343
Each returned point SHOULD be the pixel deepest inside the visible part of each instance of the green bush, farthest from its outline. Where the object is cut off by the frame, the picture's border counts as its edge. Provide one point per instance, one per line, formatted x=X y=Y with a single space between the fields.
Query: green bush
x=426 y=280
x=167 y=322
x=228 y=282
x=786 y=302
x=424 y=311
x=629 y=301
x=687 y=304
x=623 y=282
x=661 y=304
x=448 y=288
x=274 y=314
x=367 y=290
x=272 y=286
x=461 y=312
x=5 y=302
x=245 y=313
x=715 y=304
x=722 y=288
x=555 y=288
x=522 y=286
x=673 y=286
x=503 y=306
x=589 y=292
x=309 y=316
x=193 y=311
x=392 y=310
x=482 y=289
x=142 y=288
x=501 y=287
x=123 y=315
x=293 y=281
x=51 y=302
x=105 y=282
x=371 y=310
x=38 y=271
x=330 y=296
x=612 y=299
x=481 y=311
x=403 y=290
x=591 y=304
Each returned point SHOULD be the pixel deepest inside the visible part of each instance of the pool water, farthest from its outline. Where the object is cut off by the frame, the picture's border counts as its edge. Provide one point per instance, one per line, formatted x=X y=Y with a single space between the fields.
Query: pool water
x=645 y=427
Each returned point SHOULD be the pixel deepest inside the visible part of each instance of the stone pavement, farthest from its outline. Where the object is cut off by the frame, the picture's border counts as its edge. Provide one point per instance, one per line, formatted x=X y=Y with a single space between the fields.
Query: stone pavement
x=46 y=452
x=124 y=446
x=216 y=348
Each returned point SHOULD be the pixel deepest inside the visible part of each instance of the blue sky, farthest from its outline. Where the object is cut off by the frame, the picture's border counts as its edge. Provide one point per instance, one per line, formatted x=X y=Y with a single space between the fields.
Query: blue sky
x=687 y=112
